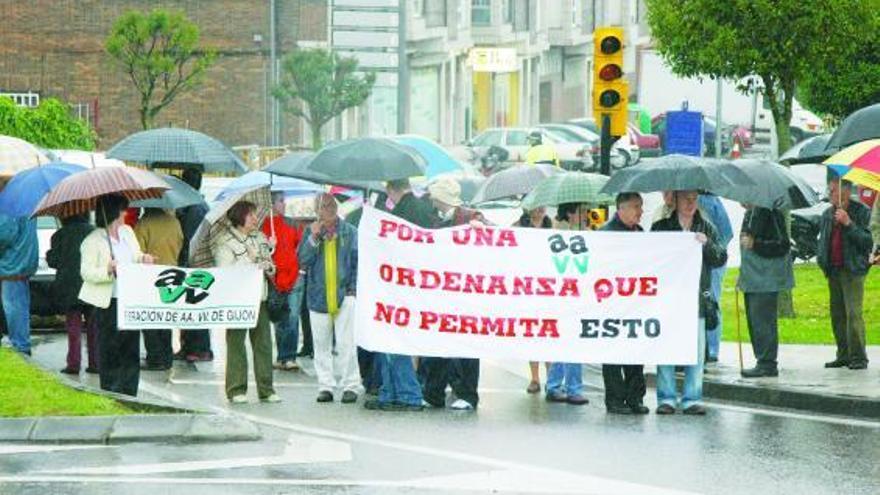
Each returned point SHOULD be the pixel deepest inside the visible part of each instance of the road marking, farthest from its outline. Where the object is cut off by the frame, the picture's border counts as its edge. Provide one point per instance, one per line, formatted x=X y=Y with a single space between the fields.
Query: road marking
x=797 y=415
x=497 y=481
x=32 y=449
x=300 y=449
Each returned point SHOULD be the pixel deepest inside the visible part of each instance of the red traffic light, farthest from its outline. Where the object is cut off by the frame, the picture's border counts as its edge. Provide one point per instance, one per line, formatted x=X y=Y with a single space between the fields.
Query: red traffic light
x=610 y=45
x=609 y=98
x=610 y=72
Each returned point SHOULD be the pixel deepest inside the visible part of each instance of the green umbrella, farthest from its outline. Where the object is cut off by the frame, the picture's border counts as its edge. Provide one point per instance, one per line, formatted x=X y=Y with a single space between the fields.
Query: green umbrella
x=180 y=195
x=170 y=147
x=569 y=187
x=368 y=159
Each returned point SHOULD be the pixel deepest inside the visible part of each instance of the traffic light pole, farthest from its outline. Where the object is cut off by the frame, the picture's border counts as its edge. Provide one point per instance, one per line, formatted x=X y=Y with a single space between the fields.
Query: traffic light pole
x=605 y=146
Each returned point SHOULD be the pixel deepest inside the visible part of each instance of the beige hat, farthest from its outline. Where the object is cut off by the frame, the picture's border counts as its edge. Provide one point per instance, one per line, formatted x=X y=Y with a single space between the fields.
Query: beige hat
x=446 y=190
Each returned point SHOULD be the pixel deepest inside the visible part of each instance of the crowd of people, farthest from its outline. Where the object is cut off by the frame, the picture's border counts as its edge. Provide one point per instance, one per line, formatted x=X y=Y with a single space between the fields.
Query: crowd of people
x=310 y=281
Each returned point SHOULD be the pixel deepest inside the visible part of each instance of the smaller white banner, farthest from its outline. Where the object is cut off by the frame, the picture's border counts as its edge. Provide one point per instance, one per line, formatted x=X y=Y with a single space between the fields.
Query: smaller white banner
x=157 y=297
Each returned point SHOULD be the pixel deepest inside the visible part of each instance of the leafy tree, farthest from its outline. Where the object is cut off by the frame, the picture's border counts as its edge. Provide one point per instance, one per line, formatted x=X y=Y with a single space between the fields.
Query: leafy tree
x=160 y=52
x=779 y=41
x=324 y=84
x=849 y=81
x=50 y=125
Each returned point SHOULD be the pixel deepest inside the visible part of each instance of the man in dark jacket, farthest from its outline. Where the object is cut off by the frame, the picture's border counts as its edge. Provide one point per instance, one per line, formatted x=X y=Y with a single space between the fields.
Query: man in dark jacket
x=400 y=389
x=844 y=251
x=195 y=345
x=625 y=384
x=64 y=257
x=765 y=270
x=687 y=218
x=18 y=262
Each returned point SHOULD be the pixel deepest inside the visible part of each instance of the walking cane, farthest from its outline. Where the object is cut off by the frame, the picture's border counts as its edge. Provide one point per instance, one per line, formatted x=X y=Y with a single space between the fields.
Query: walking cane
x=738 y=331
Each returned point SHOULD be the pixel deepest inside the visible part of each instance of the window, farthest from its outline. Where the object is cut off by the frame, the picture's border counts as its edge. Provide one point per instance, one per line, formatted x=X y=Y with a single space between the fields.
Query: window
x=481 y=12
x=508 y=11
x=28 y=99
x=488 y=138
x=517 y=138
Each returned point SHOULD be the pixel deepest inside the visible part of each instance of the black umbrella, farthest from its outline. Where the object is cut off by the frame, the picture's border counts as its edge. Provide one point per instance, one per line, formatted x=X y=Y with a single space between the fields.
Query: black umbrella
x=776 y=187
x=296 y=165
x=368 y=159
x=180 y=195
x=810 y=150
x=861 y=125
x=677 y=173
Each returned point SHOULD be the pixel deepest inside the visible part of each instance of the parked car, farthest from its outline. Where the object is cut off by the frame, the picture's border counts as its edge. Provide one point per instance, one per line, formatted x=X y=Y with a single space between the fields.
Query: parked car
x=649 y=144
x=572 y=155
x=41 y=283
x=626 y=145
x=658 y=124
x=575 y=133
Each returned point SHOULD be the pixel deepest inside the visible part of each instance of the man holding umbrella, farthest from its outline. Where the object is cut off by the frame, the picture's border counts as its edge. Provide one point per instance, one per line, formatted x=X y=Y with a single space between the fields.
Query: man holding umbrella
x=18 y=262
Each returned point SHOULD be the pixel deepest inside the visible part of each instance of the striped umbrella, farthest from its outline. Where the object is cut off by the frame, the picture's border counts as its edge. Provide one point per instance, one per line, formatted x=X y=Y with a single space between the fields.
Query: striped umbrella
x=17 y=155
x=78 y=193
x=859 y=163
x=215 y=227
x=170 y=147
x=569 y=187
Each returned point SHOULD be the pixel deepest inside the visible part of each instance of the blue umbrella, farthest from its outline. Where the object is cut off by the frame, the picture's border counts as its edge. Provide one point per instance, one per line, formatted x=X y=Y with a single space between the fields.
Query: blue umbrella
x=288 y=185
x=27 y=188
x=439 y=161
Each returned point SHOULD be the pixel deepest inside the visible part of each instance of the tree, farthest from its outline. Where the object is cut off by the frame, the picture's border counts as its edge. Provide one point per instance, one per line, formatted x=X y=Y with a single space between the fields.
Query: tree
x=159 y=52
x=50 y=125
x=779 y=41
x=848 y=81
x=324 y=84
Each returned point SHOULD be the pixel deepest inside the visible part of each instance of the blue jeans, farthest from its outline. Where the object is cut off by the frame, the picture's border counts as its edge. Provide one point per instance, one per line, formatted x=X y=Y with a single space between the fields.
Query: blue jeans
x=713 y=337
x=399 y=382
x=565 y=378
x=17 y=306
x=693 y=377
x=287 y=331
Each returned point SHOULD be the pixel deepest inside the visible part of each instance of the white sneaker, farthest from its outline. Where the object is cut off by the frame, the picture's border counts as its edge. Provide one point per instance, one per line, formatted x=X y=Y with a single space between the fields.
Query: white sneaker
x=238 y=399
x=461 y=405
x=271 y=399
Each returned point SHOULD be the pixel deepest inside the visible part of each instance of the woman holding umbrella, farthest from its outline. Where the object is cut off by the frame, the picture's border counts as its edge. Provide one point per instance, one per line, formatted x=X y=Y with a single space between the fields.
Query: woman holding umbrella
x=111 y=244
x=685 y=217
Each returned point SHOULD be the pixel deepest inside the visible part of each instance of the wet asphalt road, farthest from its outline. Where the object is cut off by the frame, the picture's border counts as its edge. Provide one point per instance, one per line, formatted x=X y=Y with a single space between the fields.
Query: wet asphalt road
x=515 y=443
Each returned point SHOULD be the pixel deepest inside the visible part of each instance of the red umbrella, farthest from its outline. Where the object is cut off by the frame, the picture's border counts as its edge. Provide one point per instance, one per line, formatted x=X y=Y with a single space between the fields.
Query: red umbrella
x=78 y=193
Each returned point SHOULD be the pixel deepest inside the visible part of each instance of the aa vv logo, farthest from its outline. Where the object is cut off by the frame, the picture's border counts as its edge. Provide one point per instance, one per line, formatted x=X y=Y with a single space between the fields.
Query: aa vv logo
x=570 y=254
x=174 y=283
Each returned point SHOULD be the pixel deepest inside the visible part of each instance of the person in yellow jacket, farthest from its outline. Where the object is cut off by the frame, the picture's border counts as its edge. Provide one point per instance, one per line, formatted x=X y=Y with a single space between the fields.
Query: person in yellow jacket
x=541 y=152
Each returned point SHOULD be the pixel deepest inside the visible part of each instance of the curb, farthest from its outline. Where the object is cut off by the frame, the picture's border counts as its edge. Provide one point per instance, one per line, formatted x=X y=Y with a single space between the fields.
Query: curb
x=760 y=394
x=182 y=428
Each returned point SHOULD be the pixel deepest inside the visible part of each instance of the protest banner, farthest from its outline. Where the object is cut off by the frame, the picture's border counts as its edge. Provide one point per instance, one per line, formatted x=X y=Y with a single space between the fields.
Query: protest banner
x=156 y=297
x=529 y=294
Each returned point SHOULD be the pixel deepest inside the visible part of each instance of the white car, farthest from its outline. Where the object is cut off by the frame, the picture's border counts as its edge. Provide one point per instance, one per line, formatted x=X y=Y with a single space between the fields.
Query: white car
x=619 y=157
x=572 y=155
x=626 y=145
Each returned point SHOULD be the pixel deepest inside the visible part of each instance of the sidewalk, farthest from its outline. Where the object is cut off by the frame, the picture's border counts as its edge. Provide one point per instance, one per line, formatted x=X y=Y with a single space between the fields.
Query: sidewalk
x=803 y=382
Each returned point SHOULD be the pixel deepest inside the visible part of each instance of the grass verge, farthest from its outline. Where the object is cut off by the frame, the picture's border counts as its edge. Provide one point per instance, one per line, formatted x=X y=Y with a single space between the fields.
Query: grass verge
x=813 y=322
x=26 y=390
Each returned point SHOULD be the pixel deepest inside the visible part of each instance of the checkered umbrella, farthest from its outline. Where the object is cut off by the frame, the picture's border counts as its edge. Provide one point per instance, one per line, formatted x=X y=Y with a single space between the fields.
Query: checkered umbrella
x=169 y=147
x=78 y=193
x=17 y=155
x=513 y=182
x=216 y=226
x=569 y=187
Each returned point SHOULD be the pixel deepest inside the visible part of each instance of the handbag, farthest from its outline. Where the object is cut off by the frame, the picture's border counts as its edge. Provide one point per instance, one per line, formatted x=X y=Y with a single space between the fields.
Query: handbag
x=710 y=309
x=278 y=304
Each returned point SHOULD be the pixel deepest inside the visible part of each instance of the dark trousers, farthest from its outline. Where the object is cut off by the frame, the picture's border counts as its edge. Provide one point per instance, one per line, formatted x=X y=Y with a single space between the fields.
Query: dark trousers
x=158 y=346
x=306 y=325
x=761 y=314
x=195 y=342
x=77 y=319
x=847 y=292
x=371 y=371
x=119 y=354
x=462 y=374
x=624 y=384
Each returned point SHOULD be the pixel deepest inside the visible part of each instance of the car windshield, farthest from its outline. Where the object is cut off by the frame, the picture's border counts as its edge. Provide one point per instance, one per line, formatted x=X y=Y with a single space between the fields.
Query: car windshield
x=517 y=138
x=575 y=135
x=561 y=137
x=489 y=138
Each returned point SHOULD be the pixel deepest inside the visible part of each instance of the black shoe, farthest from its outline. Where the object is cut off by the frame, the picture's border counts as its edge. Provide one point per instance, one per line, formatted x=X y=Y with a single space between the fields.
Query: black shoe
x=695 y=410
x=712 y=359
x=91 y=370
x=858 y=365
x=578 y=400
x=179 y=355
x=155 y=367
x=309 y=353
x=373 y=405
x=556 y=397
x=349 y=397
x=665 y=409
x=837 y=363
x=639 y=409
x=759 y=372
x=70 y=371
x=325 y=396
x=617 y=409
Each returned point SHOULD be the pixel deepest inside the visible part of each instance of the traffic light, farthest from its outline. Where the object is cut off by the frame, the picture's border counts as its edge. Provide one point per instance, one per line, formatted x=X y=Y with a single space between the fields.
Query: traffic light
x=610 y=89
